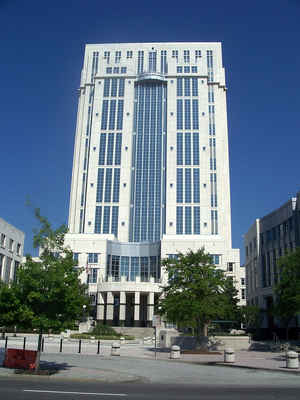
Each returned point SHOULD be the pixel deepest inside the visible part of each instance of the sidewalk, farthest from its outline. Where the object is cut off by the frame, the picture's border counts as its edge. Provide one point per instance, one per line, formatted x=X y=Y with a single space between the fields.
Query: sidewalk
x=137 y=363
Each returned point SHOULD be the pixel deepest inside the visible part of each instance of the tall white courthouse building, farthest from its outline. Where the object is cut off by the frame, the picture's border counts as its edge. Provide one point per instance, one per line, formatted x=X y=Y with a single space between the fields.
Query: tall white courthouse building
x=150 y=172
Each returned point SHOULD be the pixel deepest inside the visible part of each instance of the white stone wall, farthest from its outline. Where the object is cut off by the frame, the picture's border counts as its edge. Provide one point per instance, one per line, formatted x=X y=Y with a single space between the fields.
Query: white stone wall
x=11 y=249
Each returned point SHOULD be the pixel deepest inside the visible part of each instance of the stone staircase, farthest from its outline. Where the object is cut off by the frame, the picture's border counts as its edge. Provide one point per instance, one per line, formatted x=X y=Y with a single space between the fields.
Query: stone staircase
x=138 y=333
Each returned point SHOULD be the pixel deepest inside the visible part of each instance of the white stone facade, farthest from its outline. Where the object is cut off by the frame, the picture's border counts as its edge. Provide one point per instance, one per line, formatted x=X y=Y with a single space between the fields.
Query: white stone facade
x=11 y=250
x=150 y=170
x=269 y=238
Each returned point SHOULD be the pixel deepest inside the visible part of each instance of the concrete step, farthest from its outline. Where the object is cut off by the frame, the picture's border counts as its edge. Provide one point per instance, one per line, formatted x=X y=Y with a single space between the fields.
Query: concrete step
x=138 y=333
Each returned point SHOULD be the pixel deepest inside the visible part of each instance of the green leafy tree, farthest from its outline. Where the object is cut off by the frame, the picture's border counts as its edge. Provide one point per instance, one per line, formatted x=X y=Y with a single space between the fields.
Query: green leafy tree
x=49 y=287
x=12 y=311
x=197 y=292
x=287 y=290
x=250 y=316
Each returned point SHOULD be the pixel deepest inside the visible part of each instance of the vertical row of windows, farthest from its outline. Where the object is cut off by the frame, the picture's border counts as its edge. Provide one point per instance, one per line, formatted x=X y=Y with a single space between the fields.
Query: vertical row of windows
x=131 y=267
x=187 y=84
x=140 y=62
x=94 y=64
x=114 y=87
x=187 y=220
x=163 y=62
x=214 y=222
x=188 y=147
x=211 y=115
x=106 y=185
x=109 y=110
x=110 y=149
x=212 y=154
x=211 y=95
x=188 y=179
x=152 y=61
x=147 y=216
x=213 y=190
x=209 y=56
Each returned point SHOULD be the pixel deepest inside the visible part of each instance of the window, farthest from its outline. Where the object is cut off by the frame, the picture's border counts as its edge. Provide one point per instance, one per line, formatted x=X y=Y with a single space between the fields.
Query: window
x=187 y=70
x=123 y=70
x=197 y=55
x=11 y=245
x=186 y=56
x=107 y=56
x=93 y=258
x=215 y=258
x=179 y=70
x=243 y=281
x=93 y=275
x=19 y=249
x=230 y=267
x=243 y=294
x=108 y=70
x=3 y=237
x=129 y=54
x=175 y=55
x=194 y=70
x=117 y=57
x=75 y=257
x=1 y=264
x=116 y=70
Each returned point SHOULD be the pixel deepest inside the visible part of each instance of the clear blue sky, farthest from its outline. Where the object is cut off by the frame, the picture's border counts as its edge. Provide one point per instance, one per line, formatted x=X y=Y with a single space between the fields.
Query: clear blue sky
x=42 y=46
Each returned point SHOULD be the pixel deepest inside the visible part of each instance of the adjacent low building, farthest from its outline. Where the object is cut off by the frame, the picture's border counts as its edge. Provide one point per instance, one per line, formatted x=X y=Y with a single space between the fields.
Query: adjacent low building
x=11 y=250
x=269 y=238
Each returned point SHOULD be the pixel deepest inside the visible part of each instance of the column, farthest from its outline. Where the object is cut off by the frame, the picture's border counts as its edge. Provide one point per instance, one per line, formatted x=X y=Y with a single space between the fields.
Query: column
x=100 y=307
x=150 y=308
x=136 y=308
x=110 y=308
x=122 y=308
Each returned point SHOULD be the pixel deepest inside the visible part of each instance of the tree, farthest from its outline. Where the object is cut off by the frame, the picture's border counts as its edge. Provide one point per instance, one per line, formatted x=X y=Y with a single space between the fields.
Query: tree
x=287 y=290
x=12 y=311
x=197 y=292
x=250 y=316
x=50 y=287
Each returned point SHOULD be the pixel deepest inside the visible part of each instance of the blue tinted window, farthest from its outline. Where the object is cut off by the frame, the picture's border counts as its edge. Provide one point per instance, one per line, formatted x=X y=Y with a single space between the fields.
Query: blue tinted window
x=106 y=219
x=108 y=71
x=83 y=190
x=114 y=86
x=179 y=70
x=116 y=188
x=125 y=266
x=195 y=115
x=179 y=86
x=116 y=70
x=188 y=185
x=100 y=185
x=179 y=220
x=106 y=87
x=121 y=87
x=194 y=70
x=186 y=69
x=112 y=114
x=92 y=258
x=118 y=148
x=179 y=114
x=196 y=160
x=140 y=61
x=179 y=192
x=188 y=220
x=98 y=215
x=123 y=70
x=120 y=115
x=196 y=185
x=187 y=114
x=197 y=220
x=134 y=268
x=114 y=220
x=195 y=86
x=188 y=150
x=102 y=149
x=104 y=114
x=187 y=86
x=108 y=179
x=110 y=149
x=179 y=148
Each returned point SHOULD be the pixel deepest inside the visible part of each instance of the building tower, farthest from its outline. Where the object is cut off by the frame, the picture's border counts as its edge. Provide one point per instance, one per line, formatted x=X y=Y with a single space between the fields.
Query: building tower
x=150 y=171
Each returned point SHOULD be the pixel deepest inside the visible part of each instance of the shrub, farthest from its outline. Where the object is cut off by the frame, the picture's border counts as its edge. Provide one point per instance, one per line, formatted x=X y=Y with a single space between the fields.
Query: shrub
x=104 y=330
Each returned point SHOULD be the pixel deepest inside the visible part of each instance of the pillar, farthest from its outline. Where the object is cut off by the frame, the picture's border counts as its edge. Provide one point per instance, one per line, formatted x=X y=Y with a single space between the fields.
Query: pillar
x=122 y=308
x=150 y=308
x=110 y=308
x=100 y=307
x=136 y=308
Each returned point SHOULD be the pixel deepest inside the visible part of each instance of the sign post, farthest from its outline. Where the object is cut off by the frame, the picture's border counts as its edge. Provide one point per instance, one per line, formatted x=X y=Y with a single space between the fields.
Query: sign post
x=156 y=322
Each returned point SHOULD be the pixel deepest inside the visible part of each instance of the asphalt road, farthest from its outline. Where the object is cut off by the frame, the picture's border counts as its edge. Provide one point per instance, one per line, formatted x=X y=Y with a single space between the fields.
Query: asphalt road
x=27 y=388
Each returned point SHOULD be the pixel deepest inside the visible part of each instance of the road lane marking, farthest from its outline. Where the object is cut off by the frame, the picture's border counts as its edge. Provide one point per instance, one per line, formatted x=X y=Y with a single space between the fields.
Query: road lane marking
x=86 y=393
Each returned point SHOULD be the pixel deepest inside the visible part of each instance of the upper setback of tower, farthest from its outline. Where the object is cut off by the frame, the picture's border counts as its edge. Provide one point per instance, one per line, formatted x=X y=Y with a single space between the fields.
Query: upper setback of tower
x=139 y=64
x=131 y=62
